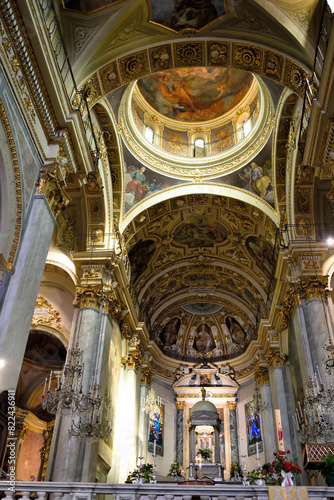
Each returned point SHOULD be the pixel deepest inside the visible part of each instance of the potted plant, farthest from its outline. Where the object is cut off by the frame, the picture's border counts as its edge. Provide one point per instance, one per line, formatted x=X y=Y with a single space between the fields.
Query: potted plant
x=327 y=469
x=205 y=453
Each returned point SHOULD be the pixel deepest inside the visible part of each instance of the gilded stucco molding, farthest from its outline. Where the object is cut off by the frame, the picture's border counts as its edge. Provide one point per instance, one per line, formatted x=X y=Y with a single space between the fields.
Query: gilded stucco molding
x=274 y=357
x=231 y=405
x=16 y=168
x=262 y=376
x=180 y=405
x=315 y=288
x=134 y=357
x=147 y=374
x=45 y=315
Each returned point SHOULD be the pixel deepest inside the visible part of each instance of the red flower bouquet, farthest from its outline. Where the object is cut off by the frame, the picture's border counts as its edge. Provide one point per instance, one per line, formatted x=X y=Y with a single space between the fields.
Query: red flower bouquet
x=283 y=463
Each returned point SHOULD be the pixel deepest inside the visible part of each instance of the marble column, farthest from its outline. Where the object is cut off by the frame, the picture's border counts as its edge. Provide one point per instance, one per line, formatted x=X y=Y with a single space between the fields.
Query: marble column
x=179 y=432
x=232 y=421
x=126 y=447
x=20 y=297
x=267 y=419
x=74 y=459
x=319 y=330
x=281 y=390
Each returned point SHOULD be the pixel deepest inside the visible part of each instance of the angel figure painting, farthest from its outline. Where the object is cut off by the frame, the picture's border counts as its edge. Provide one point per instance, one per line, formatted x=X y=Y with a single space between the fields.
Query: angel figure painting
x=195 y=94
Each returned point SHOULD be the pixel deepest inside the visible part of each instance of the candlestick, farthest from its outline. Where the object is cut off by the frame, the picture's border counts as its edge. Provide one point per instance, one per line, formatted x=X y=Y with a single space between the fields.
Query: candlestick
x=242 y=447
x=257 y=450
x=155 y=447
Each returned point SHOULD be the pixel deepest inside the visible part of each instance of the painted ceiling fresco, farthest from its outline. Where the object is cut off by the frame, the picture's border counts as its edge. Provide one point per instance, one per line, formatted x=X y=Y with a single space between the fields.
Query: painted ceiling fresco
x=181 y=14
x=256 y=178
x=202 y=267
x=195 y=94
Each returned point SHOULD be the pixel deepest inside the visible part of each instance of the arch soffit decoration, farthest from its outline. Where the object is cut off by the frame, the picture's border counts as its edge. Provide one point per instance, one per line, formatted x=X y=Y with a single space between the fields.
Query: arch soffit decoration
x=15 y=213
x=124 y=70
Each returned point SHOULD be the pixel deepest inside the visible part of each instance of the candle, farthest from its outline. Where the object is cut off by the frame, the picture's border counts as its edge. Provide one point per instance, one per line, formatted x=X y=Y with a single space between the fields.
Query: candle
x=58 y=380
x=242 y=448
x=155 y=447
x=141 y=449
x=257 y=450
x=46 y=378
x=50 y=381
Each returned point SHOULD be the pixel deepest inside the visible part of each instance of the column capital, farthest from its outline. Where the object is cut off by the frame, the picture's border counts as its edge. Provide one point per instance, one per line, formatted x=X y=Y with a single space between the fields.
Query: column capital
x=96 y=296
x=262 y=376
x=180 y=405
x=231 y=405
x=315 y=287
x=274 y=358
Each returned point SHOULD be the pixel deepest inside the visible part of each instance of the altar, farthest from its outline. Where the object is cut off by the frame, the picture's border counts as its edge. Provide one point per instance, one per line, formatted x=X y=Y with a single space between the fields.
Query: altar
x=213 y=471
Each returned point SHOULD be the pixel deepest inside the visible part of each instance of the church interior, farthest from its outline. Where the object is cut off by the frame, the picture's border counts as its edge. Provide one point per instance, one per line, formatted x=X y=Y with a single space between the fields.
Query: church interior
x=166 y=237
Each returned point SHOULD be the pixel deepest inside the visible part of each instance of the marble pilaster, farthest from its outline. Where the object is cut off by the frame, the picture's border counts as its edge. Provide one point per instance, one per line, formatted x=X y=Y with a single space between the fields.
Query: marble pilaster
x=20 y=298
x=232 y=421
x=179 y=431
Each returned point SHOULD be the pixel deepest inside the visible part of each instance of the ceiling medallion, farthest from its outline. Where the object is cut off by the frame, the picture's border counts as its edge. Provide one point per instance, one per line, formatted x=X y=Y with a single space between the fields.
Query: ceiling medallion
x=204 y=167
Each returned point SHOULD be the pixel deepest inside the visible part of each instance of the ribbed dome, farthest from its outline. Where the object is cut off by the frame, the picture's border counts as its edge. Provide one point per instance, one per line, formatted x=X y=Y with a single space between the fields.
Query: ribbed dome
x=203 y=406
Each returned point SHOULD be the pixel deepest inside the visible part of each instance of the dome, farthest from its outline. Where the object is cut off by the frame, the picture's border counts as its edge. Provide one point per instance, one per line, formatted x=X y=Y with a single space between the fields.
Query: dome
x=203 y=406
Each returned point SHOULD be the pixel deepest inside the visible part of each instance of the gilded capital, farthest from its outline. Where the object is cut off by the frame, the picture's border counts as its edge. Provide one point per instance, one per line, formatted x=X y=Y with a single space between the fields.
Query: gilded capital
x=315 y=288
x=180 y=405
x=262 y=376
x=231 y=405
x=274 y=358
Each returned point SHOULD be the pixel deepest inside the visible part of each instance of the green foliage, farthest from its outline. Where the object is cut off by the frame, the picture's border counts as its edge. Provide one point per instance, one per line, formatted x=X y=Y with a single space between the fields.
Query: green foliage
x=328 y=467
x=205 y=453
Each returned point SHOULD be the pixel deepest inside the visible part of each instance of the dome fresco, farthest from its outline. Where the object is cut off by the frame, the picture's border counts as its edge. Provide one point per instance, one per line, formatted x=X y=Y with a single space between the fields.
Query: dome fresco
x=195 y=94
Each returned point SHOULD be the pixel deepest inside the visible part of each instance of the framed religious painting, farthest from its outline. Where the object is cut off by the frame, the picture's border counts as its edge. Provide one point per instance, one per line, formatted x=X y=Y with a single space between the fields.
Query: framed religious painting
x=253 y=428
x=156 y=430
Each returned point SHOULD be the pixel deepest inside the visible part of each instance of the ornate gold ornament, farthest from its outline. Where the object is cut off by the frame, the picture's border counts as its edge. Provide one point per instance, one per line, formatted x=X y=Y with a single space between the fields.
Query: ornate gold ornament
x=17 y=177
x=262 y=376
x=45 y=450
x=134 y=66
x=247 y=57
x=161 y=58
x=217 y=53
x=189 y=54
x=180 y=405
x=286 y=307
x=315 y=288
x=44 y=314
x=231 y=405
x=274 y=358
x=134 y=358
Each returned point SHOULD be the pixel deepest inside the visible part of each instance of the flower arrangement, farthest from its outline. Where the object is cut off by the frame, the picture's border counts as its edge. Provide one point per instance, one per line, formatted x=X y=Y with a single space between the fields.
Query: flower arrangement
x=143 y=472
x=282 y=463
x=205 y=453
x=235 y=470
x=255 y=475
x=175 y=470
